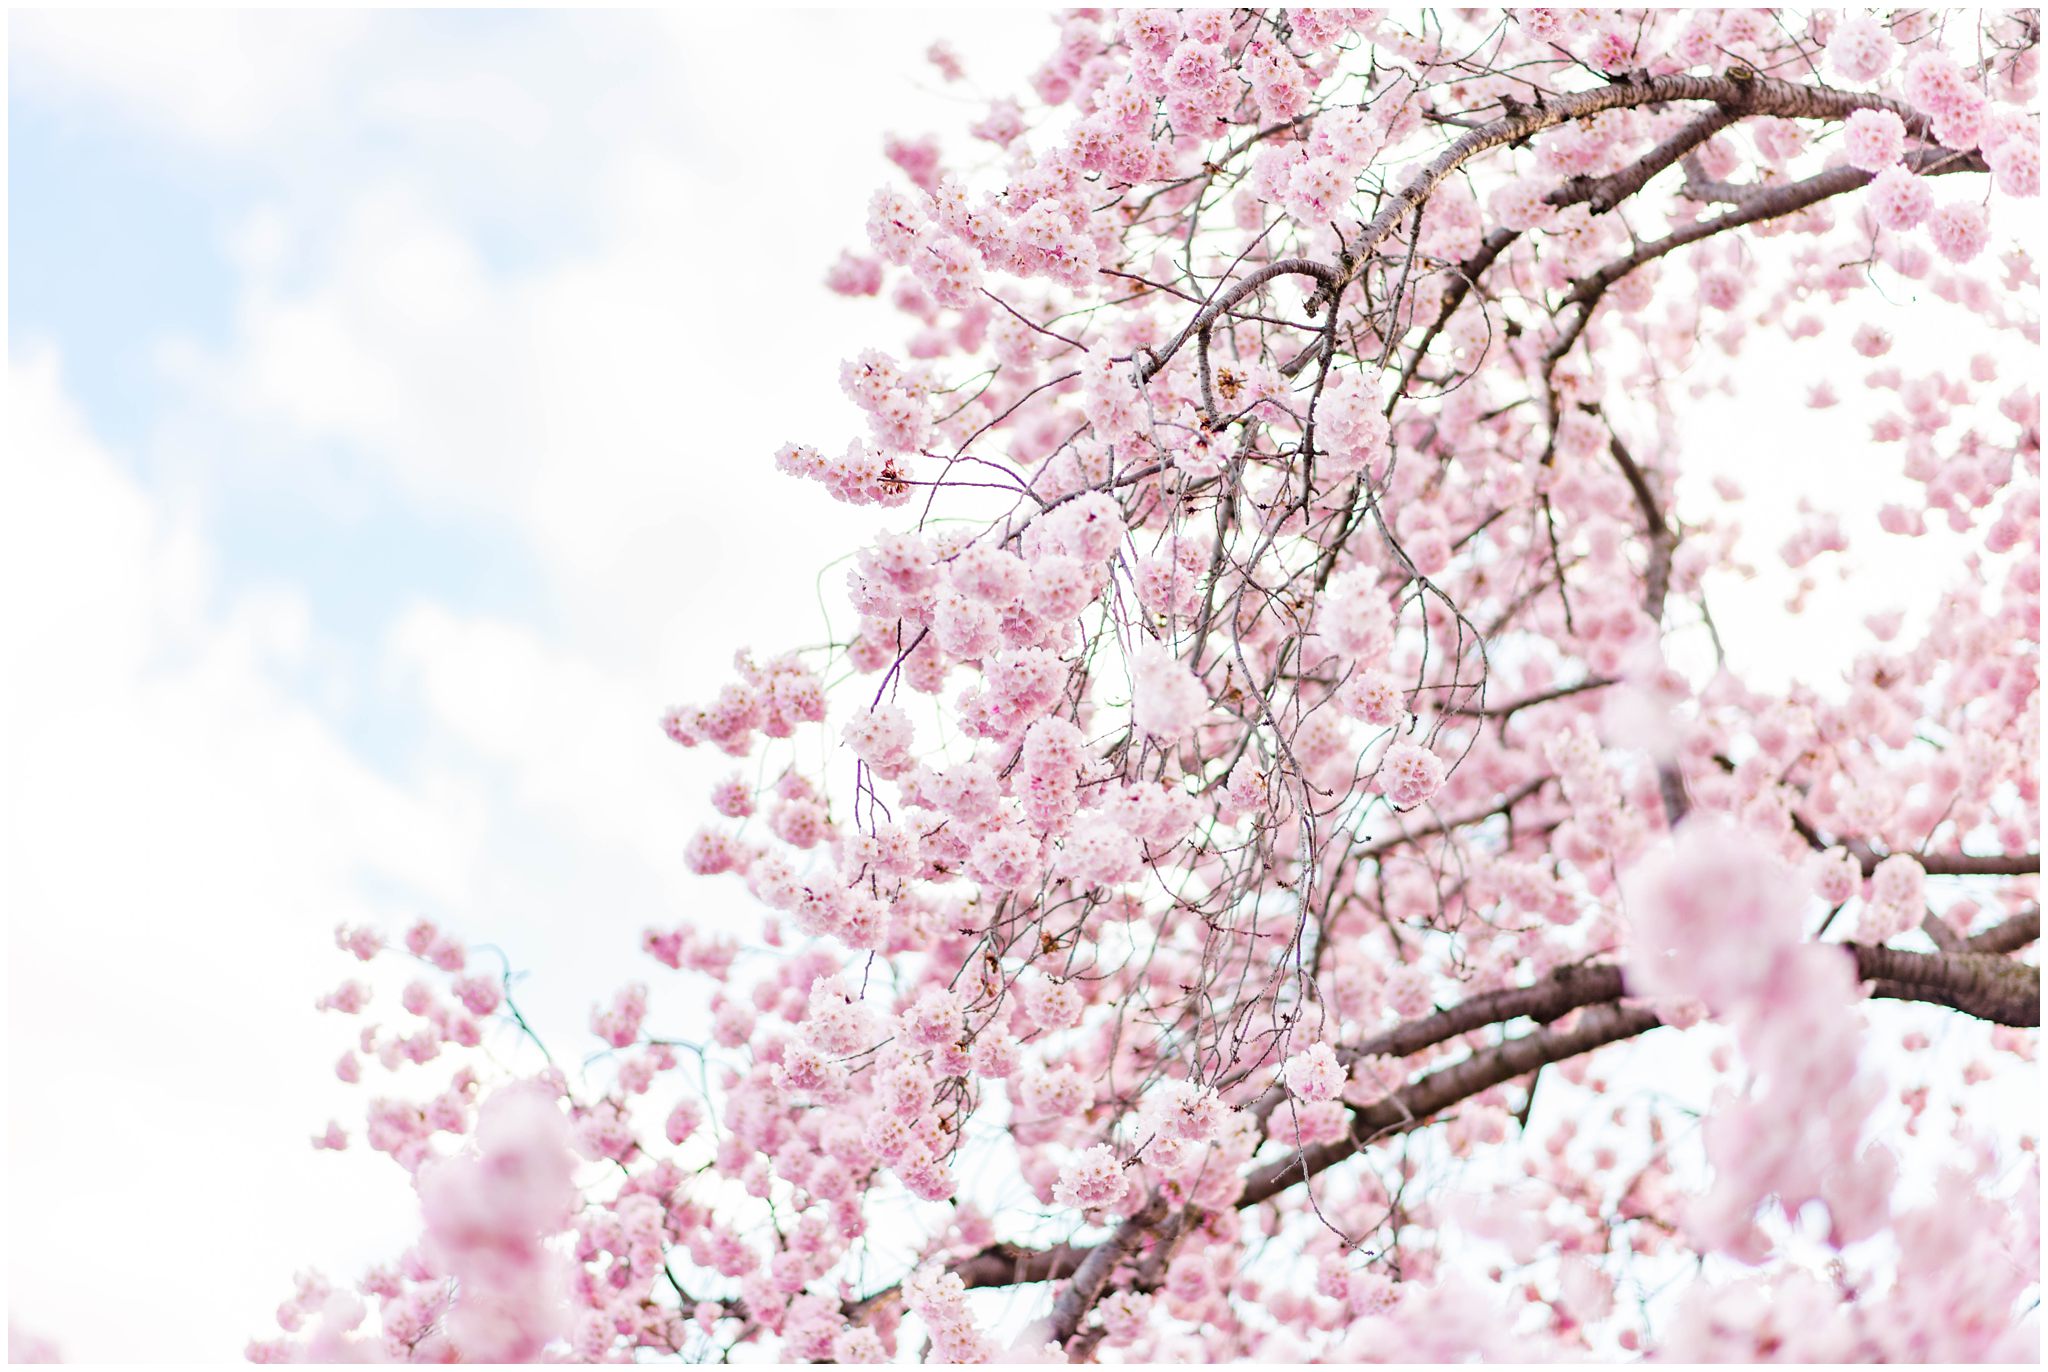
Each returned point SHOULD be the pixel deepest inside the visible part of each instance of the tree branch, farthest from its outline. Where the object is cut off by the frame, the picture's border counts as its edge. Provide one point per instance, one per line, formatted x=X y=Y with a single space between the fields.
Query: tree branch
x=1741 y=92
x=1080 y=1294
x=1984 y=985
x=1603 y=193
x=1414 y=1105
x=1771 y=202
x=1955 y=864
x=2015 y=933
x=1528 y=701
x=1976 y=983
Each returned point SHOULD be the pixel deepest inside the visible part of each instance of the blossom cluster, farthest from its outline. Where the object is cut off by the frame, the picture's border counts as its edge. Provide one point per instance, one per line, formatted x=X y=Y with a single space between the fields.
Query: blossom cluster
x=1302 y=640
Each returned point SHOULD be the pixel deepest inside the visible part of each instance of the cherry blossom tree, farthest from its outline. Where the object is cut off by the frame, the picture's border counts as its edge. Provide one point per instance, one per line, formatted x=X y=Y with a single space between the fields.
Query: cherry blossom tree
x=1276 y=861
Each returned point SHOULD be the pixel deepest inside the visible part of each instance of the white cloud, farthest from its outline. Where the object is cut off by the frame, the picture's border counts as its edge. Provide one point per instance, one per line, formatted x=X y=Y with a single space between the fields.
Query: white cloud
x=225 y=78
x=616 y=401
x=179 y=833
x=504 y=270
x=577 y=746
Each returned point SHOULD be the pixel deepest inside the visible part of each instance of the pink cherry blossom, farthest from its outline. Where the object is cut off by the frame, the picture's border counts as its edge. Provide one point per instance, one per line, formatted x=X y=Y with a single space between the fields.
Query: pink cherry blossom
x=1874 y=139
x=1309 y=831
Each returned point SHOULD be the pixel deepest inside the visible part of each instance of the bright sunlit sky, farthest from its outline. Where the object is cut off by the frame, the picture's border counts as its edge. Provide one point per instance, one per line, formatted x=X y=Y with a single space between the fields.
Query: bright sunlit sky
x=391 y=400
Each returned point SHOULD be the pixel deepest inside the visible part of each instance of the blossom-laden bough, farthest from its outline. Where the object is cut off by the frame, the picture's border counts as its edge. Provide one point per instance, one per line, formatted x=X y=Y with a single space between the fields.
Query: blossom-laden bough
x=1283 y=737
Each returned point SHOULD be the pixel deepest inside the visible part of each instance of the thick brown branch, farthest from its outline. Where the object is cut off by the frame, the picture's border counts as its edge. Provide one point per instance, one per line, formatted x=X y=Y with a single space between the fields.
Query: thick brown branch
x=1957 y=864
x=1008 y=1264
x=1080 y=1294
x=1414 y=1105
x=1602 y=193
x=1984 y=985
x=1941 y=932
x=2011 y=935
x=1555 y=996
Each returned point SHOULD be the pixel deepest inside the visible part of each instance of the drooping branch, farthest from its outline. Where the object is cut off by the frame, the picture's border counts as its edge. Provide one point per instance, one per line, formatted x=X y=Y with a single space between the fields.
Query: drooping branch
x=1410 y=1108
x=1740 y=93
x=1505 y=804
x=1206 y=317
x=1514 y=707
x=1464 y=283
x=1766 y=202
x=1657 y=529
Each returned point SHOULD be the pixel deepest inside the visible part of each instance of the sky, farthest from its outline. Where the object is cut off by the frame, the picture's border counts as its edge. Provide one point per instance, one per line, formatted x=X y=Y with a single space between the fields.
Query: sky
x=391 y=400
x=391 y=407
